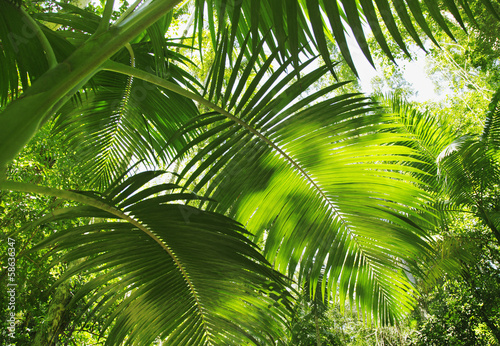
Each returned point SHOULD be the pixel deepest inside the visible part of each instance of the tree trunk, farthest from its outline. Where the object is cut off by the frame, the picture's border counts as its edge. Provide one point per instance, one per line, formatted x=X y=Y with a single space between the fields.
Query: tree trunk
x=55 y=322
x=316 y=323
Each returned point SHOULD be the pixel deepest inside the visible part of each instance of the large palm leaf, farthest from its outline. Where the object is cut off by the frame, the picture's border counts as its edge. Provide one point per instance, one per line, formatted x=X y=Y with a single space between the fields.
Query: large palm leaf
x=132 y=119
x=167 y=270
x=315 y=178
x=428 y=135
x=313 y=181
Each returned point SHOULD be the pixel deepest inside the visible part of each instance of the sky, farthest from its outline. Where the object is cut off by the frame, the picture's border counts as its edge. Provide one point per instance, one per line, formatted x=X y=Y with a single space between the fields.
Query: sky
x=414 y=73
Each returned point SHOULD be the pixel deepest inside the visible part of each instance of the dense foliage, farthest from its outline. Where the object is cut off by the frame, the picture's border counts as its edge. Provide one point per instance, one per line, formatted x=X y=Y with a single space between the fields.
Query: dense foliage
x=298 y=211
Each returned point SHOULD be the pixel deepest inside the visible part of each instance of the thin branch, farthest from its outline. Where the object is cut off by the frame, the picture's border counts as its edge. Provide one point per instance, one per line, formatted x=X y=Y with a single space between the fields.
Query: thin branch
x=128 y=11
x=106 y=17
x=49 y=52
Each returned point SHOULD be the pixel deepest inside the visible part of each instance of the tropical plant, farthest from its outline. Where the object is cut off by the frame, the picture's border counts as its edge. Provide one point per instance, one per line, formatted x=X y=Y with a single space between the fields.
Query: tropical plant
x=462 y=173
x=156 y=265
x=462 y=169
x=463 y=309
x=323 y=181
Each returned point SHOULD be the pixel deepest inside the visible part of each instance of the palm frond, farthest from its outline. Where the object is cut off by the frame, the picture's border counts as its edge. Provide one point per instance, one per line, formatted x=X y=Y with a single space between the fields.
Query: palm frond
x=453 y=253
x=170 y=271
x=73 y=21
x=315 y=178
x=132 y=119
x=22 y=57
x=156 y=36
x=453 y=169
x=290 y=23
x=460 y=172
x=469 y=170
x=491 y=131
x=427 y=134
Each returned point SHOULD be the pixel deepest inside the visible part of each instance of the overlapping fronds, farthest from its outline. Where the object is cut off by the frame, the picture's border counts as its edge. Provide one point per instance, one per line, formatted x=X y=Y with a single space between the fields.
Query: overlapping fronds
x=470 y=173
x=317 y=178
x=293 y=26
x=323 y=181
x=131 y=119
x=428 y=134
x=71 y=22
x=311 y=23
x=123 y=119
x=453 y=253
x=170 y=271
x=462 y=172
x=467 y=168
x=470 y=167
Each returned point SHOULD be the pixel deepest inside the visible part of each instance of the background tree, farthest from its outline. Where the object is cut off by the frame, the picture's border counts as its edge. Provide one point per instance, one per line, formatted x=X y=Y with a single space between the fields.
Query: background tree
x=463 y=174
x=43 y=161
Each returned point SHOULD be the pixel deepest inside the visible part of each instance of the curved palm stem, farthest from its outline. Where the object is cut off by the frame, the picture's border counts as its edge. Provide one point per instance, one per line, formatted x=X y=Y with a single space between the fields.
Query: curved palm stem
x=77 y=197
x=51 y=57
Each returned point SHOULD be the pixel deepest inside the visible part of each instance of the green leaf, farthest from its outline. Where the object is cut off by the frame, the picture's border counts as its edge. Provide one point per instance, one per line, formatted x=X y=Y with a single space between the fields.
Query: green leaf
x=316 y=179
x=132 y=118
x=291 y=22
x=371 y=15
x=177 y=273
x=333 y=13
x=22 y=57
x=354 y=19
x=491 y=131
x=416 y=10
x=388 y=18
x=318 y=29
